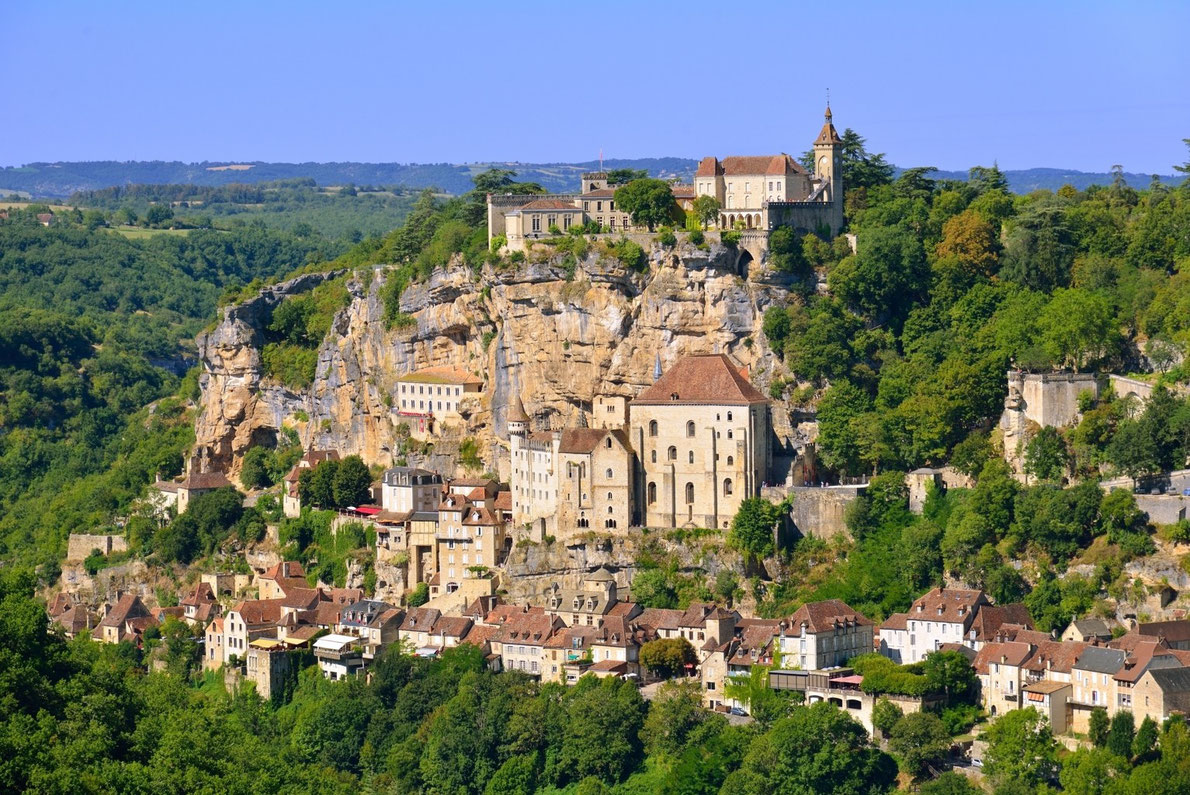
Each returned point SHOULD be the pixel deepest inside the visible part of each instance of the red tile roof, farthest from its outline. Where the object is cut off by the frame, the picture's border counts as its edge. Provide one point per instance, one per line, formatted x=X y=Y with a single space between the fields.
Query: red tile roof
x=824 y=616
x=712 y=379
x=442 y=375
x=551 y=204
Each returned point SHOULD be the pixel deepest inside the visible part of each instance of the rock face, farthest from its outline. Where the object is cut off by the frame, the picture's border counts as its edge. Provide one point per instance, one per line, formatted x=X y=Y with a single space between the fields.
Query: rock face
x=558 y=341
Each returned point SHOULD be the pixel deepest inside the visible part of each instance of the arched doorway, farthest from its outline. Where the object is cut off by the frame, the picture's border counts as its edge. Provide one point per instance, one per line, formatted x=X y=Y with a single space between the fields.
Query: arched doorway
x=743 y=263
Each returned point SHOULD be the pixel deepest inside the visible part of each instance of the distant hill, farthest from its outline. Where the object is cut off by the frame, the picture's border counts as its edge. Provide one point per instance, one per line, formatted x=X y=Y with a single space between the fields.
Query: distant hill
x=59 y=180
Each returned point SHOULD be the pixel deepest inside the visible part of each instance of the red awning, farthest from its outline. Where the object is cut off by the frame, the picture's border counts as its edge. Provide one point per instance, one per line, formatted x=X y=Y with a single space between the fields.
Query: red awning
x=848 y=680
x=368 y=510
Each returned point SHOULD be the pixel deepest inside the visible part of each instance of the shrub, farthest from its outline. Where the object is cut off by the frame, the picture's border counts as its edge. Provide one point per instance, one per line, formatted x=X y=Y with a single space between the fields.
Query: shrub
x=667 y=238
x=420 y=595
x=498 y=242
x=731 y=238
x=697 y=237
x=629 y=254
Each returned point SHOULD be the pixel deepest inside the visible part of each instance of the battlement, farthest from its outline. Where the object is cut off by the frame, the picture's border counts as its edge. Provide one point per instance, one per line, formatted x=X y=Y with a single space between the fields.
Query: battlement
x=80 y=545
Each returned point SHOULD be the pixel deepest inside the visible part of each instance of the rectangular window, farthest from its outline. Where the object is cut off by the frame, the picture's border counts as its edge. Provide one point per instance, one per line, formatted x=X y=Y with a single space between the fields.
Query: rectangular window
x=537 y=223
x=598 y=207
x=611 y=206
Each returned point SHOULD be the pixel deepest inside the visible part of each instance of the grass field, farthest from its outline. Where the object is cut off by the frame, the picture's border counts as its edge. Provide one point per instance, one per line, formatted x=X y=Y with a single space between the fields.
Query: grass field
x=138 y=233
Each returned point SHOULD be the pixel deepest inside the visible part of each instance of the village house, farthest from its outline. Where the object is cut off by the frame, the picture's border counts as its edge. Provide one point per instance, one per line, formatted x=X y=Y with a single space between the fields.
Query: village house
x=127 y=620
x=338 y=656
x=247 y=621
x=268 y=664
x=587 y=606
x=1161 y=692
x=596 y=478
x=280 y=578
x=434 y=397
x=410 y=490
x=522 y=639
x=1049 y=697
x=944 y=615
x=213 y=652
x=1088 y=630
x=199 y=605
x=415 y=630
x=823 y=635
x=1000 y=669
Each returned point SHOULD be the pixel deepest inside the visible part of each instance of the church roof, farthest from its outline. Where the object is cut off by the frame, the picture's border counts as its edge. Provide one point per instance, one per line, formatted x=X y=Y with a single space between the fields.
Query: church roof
x=584 y=440
x=712 y=380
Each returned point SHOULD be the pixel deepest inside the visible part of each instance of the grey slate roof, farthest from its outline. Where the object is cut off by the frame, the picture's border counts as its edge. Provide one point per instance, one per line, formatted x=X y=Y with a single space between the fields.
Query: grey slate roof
x=1172 y=680
x=1100 y=660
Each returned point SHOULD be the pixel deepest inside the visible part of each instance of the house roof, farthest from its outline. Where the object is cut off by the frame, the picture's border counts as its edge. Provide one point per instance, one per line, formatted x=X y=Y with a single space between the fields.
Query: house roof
x=660 y=617
x=529 y=628
x=1172 y=631
x=1010 y=653
x=283 y=570
x=503 y=501
x=259 y=611
x=1171 y=680
x=991 y=617
x=204 y=481
x=335 y=642
x=708 y=379
x=1100 y=660
x=442 y=375
x=128 y=607
x=479 y=516
x=452 y=626
x=824 y=616
x=200 y=594
x=1093 y=627
x=682 y=191
x=479 y=635
x=516 y=410
x=895 y=621
x=1046 y=686
x=600 y=574
x=584 y=440
x=747 y=165
x=551 y=204
x=420 y=619
x=947 y=605
x=1055 y=655
x=610 y=666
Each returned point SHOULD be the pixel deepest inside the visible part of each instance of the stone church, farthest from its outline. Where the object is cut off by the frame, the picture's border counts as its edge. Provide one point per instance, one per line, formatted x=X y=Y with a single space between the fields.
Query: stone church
x=684 y=453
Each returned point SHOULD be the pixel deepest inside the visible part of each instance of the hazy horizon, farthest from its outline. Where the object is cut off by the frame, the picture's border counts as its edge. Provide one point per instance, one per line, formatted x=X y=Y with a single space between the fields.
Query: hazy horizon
x=1067 y=86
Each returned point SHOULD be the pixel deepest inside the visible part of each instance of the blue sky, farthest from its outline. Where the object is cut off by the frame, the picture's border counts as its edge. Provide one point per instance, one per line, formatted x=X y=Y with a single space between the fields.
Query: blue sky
x=1079 y=85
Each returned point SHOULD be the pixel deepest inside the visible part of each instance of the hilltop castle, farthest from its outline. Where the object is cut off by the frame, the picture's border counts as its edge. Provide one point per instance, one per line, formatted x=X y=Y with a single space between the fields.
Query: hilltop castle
x=754 y=192
x=684 y=453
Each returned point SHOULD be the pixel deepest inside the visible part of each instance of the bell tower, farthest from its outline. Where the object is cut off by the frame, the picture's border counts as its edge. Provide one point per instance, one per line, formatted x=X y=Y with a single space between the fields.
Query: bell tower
x=828 y=168
x=828 y=157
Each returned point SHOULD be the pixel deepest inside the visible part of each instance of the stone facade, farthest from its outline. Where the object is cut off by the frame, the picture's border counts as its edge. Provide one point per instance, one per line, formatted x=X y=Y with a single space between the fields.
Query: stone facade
x=80 y=545
x=701 y=437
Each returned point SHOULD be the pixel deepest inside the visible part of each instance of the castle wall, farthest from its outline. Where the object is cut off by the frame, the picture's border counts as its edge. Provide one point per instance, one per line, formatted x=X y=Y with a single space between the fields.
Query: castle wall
x=808 y=216
x=80 y=545
x=1051 y=399
x=821 y=512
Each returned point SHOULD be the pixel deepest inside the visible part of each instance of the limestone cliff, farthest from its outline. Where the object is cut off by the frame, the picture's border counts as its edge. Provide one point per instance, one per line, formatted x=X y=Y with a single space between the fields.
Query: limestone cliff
x=557 y=338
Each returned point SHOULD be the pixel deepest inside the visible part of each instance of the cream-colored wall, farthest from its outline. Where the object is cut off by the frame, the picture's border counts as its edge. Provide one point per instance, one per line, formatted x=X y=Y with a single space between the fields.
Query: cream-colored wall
x=711 y=447
x=441 y=399
x=588 y=494
x=817 y=650
x=1094 y=688
x=1002 y=687
x=609 y=411
x=522 y=657
x=603 y=211
x=534 y=480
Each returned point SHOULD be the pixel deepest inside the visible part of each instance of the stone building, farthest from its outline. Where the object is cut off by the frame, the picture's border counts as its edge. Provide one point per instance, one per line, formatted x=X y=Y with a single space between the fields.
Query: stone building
x=823 y=635
x=434 y=396
x=701 y=437
x=410 y=490
x=595 y=474
x=754 y=192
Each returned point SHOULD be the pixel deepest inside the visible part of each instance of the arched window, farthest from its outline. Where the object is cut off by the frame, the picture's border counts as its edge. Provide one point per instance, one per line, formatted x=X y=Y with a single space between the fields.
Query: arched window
x=689 y=493
x=609 y=508
x=690 y=429
x=727 y=487
x=652 y=427
x=729 y=416
x=691 y=456
x=729 y=433
x=609 y=497
x=673 y=454
x=731 y=460
x=608 y=443
x=609 y=474
x=653 y=456
x=652 y=493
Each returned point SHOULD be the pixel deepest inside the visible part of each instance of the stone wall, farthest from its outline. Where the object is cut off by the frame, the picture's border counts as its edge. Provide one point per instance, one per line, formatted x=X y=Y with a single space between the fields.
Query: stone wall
x=820 y=512
x=1051 y=399
x=80 y=545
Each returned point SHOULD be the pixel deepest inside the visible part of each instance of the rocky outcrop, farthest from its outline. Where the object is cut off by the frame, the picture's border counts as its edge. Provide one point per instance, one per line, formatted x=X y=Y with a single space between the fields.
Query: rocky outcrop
x=556 y=339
